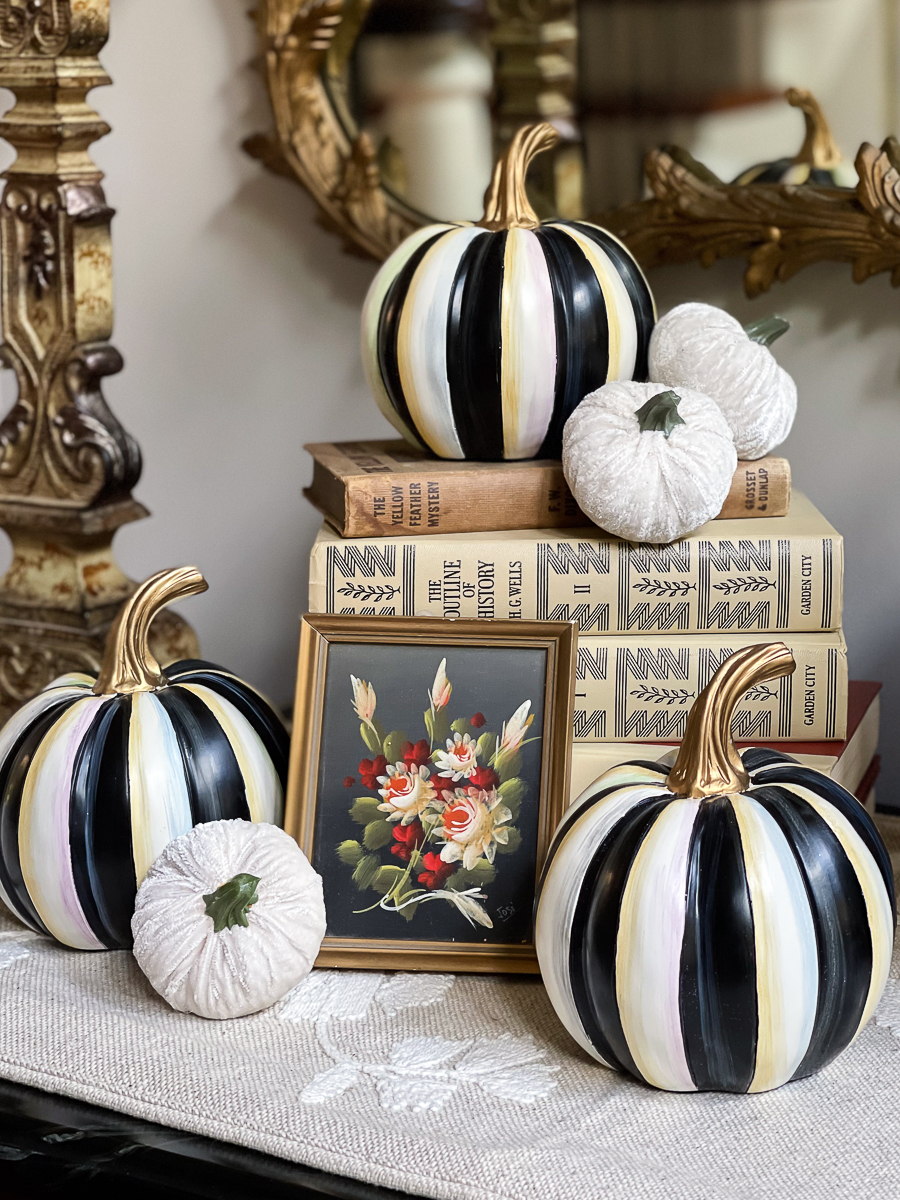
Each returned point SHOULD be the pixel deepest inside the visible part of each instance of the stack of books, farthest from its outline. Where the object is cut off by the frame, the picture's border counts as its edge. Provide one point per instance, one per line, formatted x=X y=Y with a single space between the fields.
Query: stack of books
x=409 y=535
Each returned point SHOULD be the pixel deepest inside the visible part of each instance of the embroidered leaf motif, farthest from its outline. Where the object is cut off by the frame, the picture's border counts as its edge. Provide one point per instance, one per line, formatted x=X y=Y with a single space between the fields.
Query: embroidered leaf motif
x=330 y=1084
x=667 y=696
x=375 y=593
x=664 y=587
x=346 y=995
x=412 y=991
x=509 y=1067
x=11 y=952
x=417 y=1054
x=744 y=583
x=419 y=1093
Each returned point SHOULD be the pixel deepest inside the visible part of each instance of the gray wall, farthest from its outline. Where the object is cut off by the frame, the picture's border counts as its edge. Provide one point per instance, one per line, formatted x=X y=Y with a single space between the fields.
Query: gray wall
x=238 y=319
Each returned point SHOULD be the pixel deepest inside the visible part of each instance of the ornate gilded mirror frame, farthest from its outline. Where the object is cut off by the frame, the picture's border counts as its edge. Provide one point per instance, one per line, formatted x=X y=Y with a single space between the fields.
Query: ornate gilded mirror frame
x=779 y=228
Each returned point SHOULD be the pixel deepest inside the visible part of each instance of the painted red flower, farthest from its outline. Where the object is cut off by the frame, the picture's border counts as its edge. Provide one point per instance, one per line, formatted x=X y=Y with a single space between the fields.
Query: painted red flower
x=477 y=720
x=443 y=783
x=485 y=778
x=369 y=771
x=408 y=838
x=436 y=872
x=349 y=780
x=417 y=754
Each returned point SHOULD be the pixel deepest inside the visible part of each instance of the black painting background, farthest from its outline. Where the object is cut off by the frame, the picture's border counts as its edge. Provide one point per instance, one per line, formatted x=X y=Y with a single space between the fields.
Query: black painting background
x=493 y=681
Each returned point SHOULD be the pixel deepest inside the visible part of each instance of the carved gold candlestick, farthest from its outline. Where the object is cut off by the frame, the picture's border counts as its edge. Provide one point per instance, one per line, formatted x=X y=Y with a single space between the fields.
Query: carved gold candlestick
x=67 y=466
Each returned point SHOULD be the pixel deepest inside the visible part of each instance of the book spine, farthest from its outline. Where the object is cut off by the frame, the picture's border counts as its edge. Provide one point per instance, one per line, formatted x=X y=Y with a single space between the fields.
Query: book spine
x=482 y=499
x=643 y=689
x=708 y=584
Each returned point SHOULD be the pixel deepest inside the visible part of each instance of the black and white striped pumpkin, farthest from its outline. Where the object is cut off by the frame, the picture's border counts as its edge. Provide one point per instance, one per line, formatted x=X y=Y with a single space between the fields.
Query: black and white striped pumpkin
x=98 y=776
x=722 y=924
x=817 y=162
x=480 y=340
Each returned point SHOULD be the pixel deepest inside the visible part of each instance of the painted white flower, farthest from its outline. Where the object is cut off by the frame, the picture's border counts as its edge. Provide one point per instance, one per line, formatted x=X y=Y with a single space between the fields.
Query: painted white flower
x=460 y=758
x=514 y=729
x=406 y=791
x=474 y=822
x=363 y=699
x=439 y=695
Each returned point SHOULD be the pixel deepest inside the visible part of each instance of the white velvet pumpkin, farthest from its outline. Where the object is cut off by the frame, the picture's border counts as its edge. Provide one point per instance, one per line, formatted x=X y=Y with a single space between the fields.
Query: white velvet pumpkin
x=648 y=464
x=228 y=919
x=703 y=347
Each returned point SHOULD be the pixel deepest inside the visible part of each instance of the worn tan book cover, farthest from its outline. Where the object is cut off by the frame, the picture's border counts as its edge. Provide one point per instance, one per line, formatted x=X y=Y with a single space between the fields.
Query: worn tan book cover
x=641 y=688
x=773 y=574
x=380 y=489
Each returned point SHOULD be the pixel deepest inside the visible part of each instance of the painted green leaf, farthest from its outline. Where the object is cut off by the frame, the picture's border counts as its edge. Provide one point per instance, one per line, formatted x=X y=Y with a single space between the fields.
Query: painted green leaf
x=377 y=834
x=365 y=809
x=409 y=912
x=440 y=729
x=486 y=744
x=429 y=725
x=512 y=792
x=480 y=875
x=515 y=841
x=371 y=738
x=462 y=726
x=393 y=745
x=366 y=871
x=508 y=766
x=349 y=853
x=385 y=878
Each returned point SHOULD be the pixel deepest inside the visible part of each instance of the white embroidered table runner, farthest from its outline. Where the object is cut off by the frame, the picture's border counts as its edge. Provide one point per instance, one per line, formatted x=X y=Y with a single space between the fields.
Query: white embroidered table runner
x=458 y=1088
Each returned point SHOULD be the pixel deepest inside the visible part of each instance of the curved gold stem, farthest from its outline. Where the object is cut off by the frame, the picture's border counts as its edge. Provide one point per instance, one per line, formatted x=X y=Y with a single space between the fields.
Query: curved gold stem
x=128 y=666
x=506 y=204
x=819 y=148
x=707 y=763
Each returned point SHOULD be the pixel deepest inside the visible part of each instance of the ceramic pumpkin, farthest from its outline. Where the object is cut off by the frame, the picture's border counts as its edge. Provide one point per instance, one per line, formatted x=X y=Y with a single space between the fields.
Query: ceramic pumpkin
x=819 y=159
x=479 y=340
x=97 y=776
x=703 y=347
x=725 y=923
x=648 y=464
x=228 y=919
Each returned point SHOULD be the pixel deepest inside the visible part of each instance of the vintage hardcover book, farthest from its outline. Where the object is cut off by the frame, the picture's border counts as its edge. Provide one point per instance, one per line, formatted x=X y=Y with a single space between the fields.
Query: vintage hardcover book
x=381 y=489
x=640 y=689
x=774 y=574
x=853 y=762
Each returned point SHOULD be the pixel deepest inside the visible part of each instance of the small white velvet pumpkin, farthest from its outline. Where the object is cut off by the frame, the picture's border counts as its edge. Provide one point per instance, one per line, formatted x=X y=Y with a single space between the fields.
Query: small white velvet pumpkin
x=647 y=464
x=703 y=347
x=228 y=919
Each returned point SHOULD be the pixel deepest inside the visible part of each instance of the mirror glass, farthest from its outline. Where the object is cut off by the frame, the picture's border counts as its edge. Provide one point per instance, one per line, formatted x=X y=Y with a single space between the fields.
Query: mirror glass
x=441 y=85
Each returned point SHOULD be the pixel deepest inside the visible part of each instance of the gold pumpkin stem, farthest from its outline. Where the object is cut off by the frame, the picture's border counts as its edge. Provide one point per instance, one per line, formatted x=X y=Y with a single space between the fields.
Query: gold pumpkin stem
x=506 y=203
x=707 y=763
x=128 y=666
x=819 y=148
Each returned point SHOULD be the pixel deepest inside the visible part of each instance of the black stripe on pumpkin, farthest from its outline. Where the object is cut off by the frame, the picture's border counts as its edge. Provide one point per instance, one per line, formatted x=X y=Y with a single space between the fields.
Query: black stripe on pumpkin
x=13 y=770
x=474 y=347
x=636 y=286
x=849 y=808
x=757 y=757
x=840 y=919
x=214 y=781
x=100 y=802
x=249 y=704
x=389 y=328
x=594 y=934
x=582 y=330
x=718 y=1000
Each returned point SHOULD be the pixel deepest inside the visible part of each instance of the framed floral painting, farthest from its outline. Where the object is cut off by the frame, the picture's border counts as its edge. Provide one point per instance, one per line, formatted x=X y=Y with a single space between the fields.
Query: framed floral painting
x=429 y=769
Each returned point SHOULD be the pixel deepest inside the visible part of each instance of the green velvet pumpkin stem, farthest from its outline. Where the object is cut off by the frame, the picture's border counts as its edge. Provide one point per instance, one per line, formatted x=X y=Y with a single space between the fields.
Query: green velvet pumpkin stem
x=228 y=905
x=767 y=329
x=660 y=414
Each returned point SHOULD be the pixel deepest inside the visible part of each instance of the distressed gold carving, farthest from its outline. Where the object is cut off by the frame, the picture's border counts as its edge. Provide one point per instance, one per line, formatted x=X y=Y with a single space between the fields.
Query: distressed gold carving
x=67 y=466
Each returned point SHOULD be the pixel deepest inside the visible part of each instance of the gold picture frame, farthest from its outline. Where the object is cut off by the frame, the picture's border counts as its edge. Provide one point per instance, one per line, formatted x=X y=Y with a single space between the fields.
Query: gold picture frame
x=318 y=636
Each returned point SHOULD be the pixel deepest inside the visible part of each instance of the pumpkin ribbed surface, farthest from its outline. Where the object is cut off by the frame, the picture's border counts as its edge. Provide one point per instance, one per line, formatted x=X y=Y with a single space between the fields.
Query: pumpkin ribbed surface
x=93 y=787
x=729 y=943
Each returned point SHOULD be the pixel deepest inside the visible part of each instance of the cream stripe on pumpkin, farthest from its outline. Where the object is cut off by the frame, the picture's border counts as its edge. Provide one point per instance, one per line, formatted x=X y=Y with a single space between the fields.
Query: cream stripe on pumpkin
x=787 y=965
x=262 y=785
x=371 y=316
x=44 y=853
x=878 y=906
x=621 y=776
x=527 y=345
x=620 y=316
x=560 y=891
x=648 y=949
x=160 y=802
x=422 y=342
